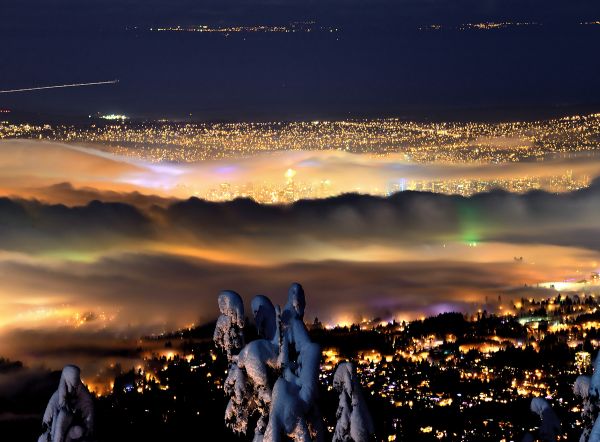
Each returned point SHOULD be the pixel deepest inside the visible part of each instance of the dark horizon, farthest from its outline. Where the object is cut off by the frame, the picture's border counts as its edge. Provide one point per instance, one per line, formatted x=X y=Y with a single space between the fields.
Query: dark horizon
x=449 y=114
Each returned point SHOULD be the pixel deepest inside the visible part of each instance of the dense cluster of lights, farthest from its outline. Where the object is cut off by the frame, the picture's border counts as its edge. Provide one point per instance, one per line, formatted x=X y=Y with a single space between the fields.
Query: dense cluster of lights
x=416 y=142
x=486 y=26
x=411 y=387
x=422 y=142
x=489 y=26
x=406 y=375
x=297 y=26
x=113 y=117
x=481 y=26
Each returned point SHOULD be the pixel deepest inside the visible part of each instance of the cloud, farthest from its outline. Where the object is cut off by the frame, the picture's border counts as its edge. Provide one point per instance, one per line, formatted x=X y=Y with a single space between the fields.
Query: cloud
x=34 y=227
x=310 y=229
x=67 y=194
x=26 y=163
x=72 y=175
x=403 y=219
x=134 y=294
x=95 y=274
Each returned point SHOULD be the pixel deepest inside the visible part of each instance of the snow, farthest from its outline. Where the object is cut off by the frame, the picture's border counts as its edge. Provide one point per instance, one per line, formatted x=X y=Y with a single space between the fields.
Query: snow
x=354 y=422
x=286 y=417
x=309 y=360
x=581 y=387
x=264 y=317
x=292 y=324
x=296 y=300
x=595 y=433
x=590 y=421
x=255 y=359
x=538 y=405
x=344 y=419
x=550 y=425
x=70 y=411
x=595 y=381
x=286 y=408
x=294 y=411
x=229 y=332
x=231 y=305
x=236 y=414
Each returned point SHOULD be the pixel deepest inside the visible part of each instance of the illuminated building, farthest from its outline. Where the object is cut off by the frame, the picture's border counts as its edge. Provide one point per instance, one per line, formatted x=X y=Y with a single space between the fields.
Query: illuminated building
x=583 y=361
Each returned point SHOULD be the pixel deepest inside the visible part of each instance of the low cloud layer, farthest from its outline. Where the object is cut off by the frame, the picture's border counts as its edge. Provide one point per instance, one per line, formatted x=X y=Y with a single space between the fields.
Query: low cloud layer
x=72 y=175
x=308 y=230
x=161 y=267
x=116 y=261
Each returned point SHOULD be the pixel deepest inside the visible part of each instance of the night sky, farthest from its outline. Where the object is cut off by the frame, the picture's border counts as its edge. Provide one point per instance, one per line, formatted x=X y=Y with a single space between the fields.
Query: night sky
x=379 y=64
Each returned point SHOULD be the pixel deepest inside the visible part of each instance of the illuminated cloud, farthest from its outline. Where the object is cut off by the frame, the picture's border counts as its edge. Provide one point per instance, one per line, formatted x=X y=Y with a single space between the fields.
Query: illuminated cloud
x=345 y=227
x=73 y=175
x=119 y=260
x=134 y=294
x=380 y=255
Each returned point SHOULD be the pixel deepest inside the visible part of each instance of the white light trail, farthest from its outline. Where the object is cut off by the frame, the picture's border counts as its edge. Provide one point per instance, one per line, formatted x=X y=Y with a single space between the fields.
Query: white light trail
x=59 y=86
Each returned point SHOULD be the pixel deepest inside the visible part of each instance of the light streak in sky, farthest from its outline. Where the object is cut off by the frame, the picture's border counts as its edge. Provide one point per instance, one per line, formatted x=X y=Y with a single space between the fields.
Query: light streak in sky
x=59 y=86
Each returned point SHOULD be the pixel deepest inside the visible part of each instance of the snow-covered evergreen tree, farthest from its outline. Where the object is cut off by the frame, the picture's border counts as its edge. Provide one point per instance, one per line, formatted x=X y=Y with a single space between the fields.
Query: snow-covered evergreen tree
x=240 y=402
x=259 y=362
x=69 y=415
x=265 y=317
x=229 y=332
x=581 y=389
x=294 y=410
x=591 y=403
x=354 y=422
x=595 y=381
x=588 y=389
x=550 y=425
x=287 y=408
x=595 y=432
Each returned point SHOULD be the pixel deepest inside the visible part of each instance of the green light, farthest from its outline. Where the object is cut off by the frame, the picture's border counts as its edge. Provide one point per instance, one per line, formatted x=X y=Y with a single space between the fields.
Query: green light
x=71 y=255
x=469 y=221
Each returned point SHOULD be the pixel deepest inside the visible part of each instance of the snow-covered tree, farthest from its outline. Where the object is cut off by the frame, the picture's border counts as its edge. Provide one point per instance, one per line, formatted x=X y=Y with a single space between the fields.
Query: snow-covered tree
x=69 y=415
x=229 y=332
x=550 y=425
x=252 y=366
x=294 y=407
x=260 y=360
x=595 y=381
x=265 y=317
x=581 y=389
x=588 y=389
x=354 y=422
x=595 y=432
x=284 y=408
x=240 y=402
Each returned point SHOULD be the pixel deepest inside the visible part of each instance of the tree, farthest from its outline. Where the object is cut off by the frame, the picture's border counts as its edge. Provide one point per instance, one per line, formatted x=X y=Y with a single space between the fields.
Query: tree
x=354 y=422
x=69 y=415
x=550 y=425
x=229 y=331
x=287 y=407
x=581 y=388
